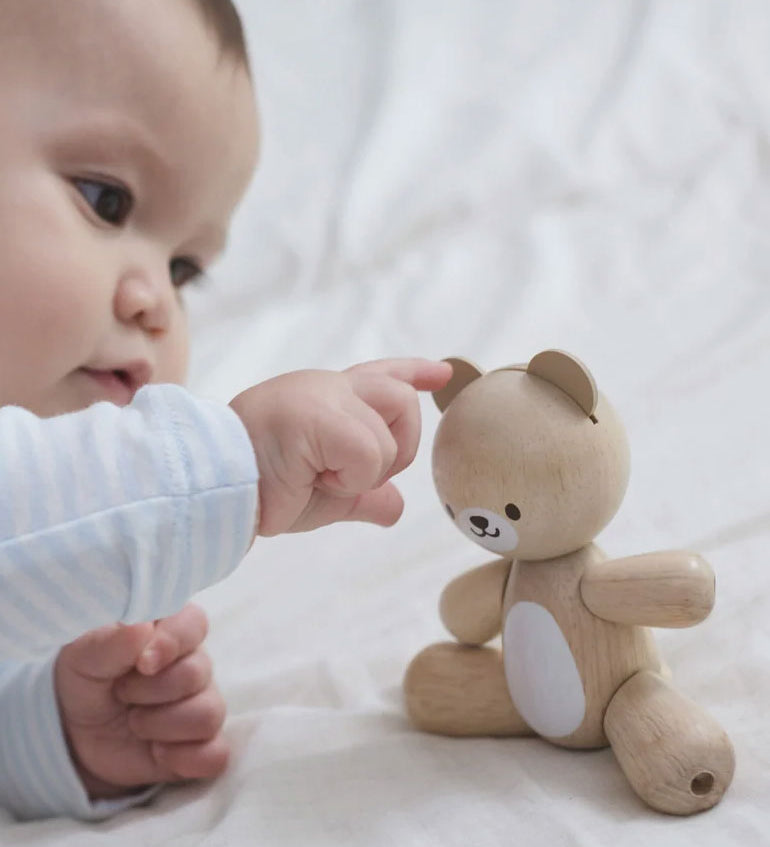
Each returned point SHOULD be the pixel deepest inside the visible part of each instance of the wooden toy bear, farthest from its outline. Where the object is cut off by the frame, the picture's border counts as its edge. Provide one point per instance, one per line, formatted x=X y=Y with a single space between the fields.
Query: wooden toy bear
x=532 y=461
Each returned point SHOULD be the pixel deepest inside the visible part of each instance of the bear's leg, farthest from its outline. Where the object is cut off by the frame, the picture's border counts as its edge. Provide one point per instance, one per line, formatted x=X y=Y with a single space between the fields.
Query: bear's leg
x=675 y=755
x=454 y=689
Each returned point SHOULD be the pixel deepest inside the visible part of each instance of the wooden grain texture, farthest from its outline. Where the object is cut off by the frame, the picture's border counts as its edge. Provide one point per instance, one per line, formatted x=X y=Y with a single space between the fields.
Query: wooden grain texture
x=511 y=437
x=532 y=464
x=470 y=605
x=667 y=589
x=454 y=689
x=675 y=755
x=606 y=654
x=463 y=372
x=568 y=373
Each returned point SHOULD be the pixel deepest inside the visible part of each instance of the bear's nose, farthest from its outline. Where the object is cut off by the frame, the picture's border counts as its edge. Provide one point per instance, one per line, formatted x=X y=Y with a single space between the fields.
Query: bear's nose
x=479 y=522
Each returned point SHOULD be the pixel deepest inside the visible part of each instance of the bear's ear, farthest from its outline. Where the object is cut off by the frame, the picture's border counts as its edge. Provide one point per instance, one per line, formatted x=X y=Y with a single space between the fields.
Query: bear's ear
x=568 y=373
x=463 y=373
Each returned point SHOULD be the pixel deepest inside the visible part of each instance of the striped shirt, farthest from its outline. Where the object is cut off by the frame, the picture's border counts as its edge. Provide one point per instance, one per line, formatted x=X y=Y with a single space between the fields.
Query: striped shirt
x=107 y=514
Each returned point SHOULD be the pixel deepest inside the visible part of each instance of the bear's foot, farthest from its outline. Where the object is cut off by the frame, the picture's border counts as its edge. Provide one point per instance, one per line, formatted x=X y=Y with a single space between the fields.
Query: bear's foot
x=454 y=689
x=675 y=755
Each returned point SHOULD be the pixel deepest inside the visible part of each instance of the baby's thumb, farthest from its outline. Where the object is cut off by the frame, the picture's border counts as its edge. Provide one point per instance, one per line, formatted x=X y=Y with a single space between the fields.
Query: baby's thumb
x=382 y=506
x=108 y=652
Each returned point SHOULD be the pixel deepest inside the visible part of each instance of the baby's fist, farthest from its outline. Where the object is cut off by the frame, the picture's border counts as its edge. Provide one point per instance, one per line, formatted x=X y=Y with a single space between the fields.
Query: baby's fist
x=327 y=443
x=138 y=704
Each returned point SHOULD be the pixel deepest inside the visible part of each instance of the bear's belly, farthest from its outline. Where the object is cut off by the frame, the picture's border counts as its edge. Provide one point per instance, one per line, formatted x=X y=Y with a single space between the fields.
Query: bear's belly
x=542 y=676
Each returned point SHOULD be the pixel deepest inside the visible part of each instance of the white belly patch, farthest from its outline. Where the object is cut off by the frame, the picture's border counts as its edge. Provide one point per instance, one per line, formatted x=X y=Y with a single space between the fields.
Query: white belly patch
x=541 y=673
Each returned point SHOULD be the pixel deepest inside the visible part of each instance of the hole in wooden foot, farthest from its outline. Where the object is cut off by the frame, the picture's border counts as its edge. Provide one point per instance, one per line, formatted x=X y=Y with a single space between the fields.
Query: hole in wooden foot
x=702 y=783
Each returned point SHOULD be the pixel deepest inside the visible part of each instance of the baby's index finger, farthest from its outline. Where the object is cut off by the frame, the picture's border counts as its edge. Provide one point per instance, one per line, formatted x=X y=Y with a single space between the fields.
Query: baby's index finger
x=421 y=374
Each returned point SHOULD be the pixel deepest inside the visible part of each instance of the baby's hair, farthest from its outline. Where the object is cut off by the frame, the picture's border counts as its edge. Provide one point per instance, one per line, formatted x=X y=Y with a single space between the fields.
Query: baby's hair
x=223 y=18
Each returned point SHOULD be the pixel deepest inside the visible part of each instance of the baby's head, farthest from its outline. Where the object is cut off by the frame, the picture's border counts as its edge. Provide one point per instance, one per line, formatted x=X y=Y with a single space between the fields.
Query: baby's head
x=128 y=135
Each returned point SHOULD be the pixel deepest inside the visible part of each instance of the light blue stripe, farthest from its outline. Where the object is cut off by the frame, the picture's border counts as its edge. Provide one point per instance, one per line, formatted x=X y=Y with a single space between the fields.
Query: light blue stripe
x=164 y=406
x=177 y=569
x=210 y=536
x=53 y=613
x=7 y=496
x=130 y=484
x=37 y=629
x=215 y=436
x=43 y=742
x=105 y=450
x=11 y=760
x=48 y=451
x=121 y=546
x=44 y=560
x=227 y=557
x=23 y=477
x=25 y=769
x=86 y=546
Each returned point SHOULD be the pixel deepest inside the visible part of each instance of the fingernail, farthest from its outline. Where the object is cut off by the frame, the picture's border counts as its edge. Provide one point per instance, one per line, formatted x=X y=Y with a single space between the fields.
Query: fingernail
x=149 y=661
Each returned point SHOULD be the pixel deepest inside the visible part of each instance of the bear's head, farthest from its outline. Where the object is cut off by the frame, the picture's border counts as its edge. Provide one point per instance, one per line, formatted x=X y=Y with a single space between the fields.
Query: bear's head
x=530 y=460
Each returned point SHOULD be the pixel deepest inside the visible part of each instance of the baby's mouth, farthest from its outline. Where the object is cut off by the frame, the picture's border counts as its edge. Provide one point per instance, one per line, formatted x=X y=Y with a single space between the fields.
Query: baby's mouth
x=118 y=385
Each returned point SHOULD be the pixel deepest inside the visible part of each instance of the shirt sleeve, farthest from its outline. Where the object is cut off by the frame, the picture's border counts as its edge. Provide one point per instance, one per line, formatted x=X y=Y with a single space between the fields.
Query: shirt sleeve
x=106 y=514
x=37 y=776
x=117 y=514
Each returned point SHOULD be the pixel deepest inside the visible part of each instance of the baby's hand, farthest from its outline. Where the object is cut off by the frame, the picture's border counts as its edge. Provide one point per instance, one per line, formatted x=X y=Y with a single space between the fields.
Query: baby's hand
x=327 y=443
x=138 y=705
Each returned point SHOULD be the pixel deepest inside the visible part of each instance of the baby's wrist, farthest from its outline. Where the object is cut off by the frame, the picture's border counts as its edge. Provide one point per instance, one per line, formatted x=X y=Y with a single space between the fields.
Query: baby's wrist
x=99 y=789
x=95 y=787
x=240 y=405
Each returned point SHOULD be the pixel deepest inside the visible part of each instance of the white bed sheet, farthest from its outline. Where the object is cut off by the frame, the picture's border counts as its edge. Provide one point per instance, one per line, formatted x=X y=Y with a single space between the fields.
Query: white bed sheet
x=488 y=179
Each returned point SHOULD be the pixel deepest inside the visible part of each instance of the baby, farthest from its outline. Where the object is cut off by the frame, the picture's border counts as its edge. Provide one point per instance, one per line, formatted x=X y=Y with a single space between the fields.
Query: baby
x=128 y=134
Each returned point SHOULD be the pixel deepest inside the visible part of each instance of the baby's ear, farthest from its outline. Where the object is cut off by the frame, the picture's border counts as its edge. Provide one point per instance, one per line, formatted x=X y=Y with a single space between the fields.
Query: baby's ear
x=463 y=373
x=568 y=373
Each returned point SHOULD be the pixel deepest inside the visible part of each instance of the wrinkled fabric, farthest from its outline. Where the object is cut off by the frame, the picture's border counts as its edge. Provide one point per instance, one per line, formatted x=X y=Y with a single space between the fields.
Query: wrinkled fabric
x=489 y=179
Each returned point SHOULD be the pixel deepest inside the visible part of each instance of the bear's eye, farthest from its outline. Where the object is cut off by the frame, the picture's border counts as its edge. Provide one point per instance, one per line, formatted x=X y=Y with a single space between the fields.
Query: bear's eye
x=449 y=511
x=512 y=512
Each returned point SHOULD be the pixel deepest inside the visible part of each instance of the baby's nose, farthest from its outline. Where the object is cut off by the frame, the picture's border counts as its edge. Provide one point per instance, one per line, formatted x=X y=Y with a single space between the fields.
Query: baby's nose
x=479 y=522
x=143 y=300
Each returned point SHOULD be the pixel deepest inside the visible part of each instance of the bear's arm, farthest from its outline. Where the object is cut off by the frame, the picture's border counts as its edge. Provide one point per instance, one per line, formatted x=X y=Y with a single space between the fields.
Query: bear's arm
x=667 y=589
x=471 y=604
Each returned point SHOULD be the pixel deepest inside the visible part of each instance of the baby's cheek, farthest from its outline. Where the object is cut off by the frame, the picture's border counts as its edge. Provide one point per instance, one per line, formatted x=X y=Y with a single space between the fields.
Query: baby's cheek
x=52 y=293
x=42 y=332
x=173 y=352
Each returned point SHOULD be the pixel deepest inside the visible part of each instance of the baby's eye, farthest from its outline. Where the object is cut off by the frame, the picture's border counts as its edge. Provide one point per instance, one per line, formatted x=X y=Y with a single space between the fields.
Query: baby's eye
x=111 y=202
x=184 y=271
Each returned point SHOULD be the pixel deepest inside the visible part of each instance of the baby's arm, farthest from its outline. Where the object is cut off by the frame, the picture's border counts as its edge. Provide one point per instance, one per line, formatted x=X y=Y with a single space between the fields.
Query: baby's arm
x=37 y=776
x=123 y=514
x=117 y=514
x=113 y=514
x=107 y=514
x=665 y=589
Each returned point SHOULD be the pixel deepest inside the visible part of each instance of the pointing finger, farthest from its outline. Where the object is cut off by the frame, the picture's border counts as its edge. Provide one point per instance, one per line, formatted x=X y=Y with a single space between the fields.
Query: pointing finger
x=421 y=374
x=397 y=404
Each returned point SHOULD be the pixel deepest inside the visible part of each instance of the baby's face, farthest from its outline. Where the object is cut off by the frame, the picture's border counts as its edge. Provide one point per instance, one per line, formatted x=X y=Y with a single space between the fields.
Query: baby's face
x=126 y=141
